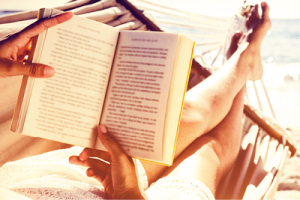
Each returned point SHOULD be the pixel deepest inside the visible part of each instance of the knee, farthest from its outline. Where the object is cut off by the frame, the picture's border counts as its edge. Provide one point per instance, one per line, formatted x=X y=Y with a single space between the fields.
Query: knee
x=224 y=155
x=211 y=143
x=192 y=114
x=227 y=151
x=210 y=153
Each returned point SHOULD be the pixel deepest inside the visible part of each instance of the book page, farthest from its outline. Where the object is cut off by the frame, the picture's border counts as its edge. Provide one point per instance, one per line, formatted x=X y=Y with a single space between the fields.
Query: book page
x=136 y=101
x=67 y=106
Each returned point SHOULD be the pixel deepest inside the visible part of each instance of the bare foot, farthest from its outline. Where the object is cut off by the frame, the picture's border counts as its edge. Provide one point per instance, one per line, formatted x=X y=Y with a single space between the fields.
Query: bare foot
x=233 y=44
x=259 y=25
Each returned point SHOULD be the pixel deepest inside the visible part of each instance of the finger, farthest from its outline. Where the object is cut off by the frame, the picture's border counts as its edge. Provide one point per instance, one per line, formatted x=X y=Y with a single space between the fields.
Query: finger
x=37 y=70
x=22 y=52
x=43 y=24
x=88 y=152
x=75 y=161
x=14 y=68
x=90 y=162
x=111 y=145
x=98 y=175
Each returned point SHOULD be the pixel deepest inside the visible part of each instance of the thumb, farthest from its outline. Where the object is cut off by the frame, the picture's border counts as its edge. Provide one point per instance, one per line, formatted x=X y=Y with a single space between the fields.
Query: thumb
x=14 y=68
x=110 y=144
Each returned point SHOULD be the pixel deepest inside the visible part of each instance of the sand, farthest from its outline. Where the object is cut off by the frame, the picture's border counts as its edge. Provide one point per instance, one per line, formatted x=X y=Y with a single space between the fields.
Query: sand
x=289 y=187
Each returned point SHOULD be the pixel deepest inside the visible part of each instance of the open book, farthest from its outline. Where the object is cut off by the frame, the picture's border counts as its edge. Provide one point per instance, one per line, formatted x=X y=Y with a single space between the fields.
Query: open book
x=133 y=82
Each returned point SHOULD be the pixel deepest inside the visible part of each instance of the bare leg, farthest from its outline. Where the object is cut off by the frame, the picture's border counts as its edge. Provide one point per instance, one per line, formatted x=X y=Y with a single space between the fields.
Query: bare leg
x=212 y=155
x=207 y=104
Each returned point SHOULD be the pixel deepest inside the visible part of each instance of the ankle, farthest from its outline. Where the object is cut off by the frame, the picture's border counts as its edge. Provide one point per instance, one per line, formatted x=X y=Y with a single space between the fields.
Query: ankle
x=253 y=65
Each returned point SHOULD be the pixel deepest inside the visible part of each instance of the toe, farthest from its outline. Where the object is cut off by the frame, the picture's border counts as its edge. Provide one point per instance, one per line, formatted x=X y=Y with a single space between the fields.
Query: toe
x=253 y=17
x=255 y=12
x=265 y=14
x=265 y=11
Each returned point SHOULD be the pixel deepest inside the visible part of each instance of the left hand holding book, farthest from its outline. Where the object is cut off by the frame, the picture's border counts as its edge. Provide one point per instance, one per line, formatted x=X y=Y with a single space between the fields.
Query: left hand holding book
x=14 y=49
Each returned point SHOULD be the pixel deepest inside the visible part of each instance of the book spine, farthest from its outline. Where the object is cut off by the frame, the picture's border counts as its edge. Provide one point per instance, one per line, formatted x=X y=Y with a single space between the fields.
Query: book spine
x=26 y=90
x=186 y=85
x=28 y=82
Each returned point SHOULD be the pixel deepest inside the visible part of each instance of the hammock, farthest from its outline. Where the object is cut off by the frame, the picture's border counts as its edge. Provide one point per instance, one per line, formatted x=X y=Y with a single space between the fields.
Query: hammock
x=260 y=162
x=265 y=146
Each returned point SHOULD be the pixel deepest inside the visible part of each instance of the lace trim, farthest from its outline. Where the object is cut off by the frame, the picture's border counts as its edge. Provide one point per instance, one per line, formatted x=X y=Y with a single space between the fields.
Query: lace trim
x=50 y=176
x=142 y=175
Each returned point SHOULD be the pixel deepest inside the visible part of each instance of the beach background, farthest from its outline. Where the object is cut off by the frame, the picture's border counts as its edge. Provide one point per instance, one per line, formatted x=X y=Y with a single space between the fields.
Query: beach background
x=280 y=56
x=281 y=60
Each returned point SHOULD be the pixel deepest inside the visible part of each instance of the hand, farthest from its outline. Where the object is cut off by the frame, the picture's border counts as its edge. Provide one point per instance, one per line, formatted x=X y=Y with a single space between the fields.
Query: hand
x=14 y=49
x=119 y=177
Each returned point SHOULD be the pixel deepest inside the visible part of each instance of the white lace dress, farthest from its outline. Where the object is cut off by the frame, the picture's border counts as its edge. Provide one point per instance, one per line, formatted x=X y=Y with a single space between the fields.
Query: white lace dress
x=50 y=176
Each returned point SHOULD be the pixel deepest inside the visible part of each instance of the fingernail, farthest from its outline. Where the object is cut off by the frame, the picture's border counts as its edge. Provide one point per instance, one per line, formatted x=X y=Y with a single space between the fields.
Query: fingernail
x=48 y=71
x=103 y=129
